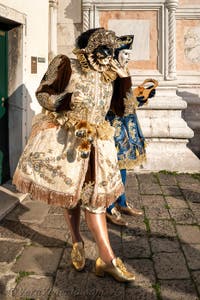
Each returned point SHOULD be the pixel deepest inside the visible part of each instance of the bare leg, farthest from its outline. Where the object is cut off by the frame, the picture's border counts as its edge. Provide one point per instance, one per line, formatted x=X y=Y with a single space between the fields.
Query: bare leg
x=72 y=217
x=98 y=227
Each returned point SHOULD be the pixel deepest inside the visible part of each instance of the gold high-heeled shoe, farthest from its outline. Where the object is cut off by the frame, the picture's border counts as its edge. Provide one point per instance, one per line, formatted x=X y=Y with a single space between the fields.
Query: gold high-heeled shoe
x=128 y=210
x=78 y=256
x=117 y=270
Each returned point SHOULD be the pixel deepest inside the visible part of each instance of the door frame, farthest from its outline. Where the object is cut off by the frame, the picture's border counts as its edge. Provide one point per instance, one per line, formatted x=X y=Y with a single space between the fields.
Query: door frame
x=12 y=18
x=4 y=153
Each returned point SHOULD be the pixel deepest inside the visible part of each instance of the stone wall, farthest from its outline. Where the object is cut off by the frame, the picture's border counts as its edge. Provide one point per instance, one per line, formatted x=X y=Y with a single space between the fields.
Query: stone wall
x=188 y=66
x=69 y=25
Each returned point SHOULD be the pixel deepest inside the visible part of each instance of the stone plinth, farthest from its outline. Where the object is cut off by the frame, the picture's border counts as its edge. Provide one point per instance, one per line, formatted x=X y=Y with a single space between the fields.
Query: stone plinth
x=167 y=133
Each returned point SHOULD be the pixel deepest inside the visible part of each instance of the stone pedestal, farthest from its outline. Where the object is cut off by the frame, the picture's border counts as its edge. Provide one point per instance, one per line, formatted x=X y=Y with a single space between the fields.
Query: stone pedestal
x=167 y=133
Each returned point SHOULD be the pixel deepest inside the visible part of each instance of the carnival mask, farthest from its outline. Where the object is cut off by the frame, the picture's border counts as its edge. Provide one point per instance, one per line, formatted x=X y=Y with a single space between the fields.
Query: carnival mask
x=123 y=52
x=124 y=56
x=103 y=54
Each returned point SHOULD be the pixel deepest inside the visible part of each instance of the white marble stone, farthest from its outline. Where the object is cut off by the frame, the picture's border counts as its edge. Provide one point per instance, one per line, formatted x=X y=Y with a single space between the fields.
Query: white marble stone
x=192 y=44
x=69 y=10
x=141 y=31
x=170 y=155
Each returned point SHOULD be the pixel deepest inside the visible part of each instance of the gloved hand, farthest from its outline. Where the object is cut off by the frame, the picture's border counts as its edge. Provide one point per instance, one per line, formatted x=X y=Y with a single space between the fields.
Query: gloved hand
x=143 y=93
x=62 y=101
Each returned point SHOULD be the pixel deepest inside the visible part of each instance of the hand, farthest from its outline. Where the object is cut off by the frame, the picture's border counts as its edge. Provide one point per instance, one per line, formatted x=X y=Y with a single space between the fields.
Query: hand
x=62 y=101
x=121 y=71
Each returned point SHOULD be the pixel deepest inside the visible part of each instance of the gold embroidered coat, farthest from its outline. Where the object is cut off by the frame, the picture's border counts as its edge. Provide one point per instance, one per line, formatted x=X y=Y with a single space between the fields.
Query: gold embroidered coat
x=51 y=167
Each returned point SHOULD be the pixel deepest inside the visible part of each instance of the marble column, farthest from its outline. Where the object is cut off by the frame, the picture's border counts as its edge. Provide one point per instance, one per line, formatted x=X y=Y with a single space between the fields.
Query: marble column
x=52 y=28
x=172 y=6
x=86 y=15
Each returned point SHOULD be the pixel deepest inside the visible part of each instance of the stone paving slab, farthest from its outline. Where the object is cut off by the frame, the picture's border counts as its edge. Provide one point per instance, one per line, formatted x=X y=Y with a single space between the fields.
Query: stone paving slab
x=7 y=285
x=38 y=260
x=176 y=202
x=33 y=287
x=167 y=179
x=150 y=189
x=9 y=250
x=104 y=288
x=8 y=230
x=164 y=245
x=136 y=226
x=69 y=284
x=162 y=228
x=170 y=265
x=191 y=192
x=54 y=221
x=192 y=254
x=133 y=198
x=30 y=211
x=49 y=237
x=143 y=270
x=7 y=203
x=189 y=234
x=196 y=278
x=183 y=216
x=132 y=181
x=195 y=207
x=171 y=190
x=137 y=247
x=147 y=178
x=186 y=179
x=140 y=293
x=178 y=290
x=155 y=207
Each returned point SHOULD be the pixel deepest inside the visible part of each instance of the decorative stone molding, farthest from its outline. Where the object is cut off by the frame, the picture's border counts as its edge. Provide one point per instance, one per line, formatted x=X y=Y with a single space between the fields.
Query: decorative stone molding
x=187 y=17
x=12 y=14
x=172 y=6
x=86 y=15
x=53 y=4
x=92 y=10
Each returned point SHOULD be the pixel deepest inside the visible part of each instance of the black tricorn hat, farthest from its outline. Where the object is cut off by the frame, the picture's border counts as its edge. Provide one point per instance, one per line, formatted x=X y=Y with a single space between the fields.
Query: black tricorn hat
x=125 y=42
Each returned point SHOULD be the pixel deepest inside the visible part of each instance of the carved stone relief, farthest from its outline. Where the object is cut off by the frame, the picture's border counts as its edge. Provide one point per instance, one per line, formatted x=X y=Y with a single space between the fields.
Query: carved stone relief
x=192 y=44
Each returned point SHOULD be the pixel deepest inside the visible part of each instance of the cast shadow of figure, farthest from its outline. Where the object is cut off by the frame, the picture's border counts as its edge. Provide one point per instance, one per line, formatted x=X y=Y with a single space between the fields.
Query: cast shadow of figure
x=20 y=116
x=192 y=115
x=73 y=12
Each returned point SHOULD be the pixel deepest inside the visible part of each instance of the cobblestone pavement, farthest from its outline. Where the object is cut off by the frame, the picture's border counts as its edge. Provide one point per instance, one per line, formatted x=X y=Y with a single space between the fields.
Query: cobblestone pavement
x=162 y=247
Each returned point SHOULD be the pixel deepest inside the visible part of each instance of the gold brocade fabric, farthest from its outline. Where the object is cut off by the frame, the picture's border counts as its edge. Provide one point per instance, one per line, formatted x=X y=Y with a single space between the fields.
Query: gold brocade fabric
x=51 y=168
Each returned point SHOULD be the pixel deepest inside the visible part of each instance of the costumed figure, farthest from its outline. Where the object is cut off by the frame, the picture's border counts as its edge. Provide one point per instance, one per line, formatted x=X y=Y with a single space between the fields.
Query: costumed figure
x=129 y=139
x=70 y=159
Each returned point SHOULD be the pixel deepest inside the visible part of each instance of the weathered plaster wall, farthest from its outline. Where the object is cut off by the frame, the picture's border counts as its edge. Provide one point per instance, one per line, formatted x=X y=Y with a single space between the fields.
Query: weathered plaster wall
x=28 y=38
x=69 y=24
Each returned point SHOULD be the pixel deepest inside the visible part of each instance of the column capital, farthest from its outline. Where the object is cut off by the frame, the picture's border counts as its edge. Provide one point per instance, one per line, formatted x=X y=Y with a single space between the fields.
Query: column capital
x=53 y=3
x=172 y=4
x=87 y=5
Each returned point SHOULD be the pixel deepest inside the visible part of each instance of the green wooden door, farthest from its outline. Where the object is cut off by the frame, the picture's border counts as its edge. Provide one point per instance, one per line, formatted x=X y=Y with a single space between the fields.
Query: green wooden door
x=4 y=154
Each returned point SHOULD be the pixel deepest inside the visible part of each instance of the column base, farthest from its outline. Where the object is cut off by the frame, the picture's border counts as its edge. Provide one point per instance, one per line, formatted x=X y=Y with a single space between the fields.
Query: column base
x=171 y=155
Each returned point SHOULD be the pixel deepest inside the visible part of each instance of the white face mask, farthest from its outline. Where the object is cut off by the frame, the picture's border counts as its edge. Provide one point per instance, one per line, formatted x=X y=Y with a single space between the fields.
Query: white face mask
x=124 y=56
